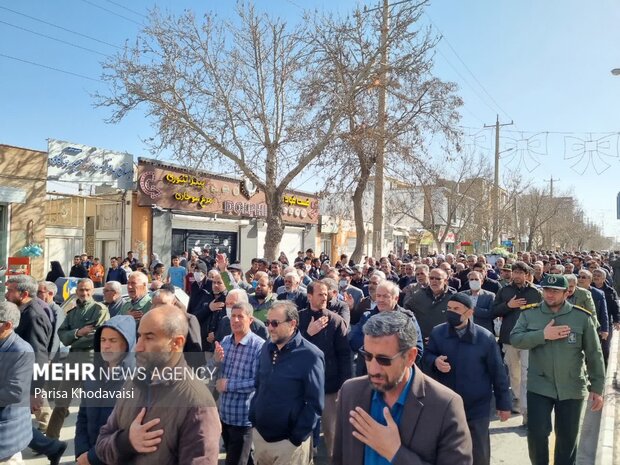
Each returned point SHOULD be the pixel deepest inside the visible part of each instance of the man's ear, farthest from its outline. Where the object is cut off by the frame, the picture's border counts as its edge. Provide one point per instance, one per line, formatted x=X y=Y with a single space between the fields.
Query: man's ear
x=412 y=355
x=178 y=342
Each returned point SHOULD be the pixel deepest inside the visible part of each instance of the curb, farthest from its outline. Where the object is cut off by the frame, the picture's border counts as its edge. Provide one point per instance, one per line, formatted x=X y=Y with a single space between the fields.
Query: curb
x=606 y=437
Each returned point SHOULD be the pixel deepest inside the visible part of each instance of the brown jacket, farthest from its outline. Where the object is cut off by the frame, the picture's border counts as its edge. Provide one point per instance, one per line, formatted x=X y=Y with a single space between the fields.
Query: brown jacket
x=187 y=414
x=433 y=428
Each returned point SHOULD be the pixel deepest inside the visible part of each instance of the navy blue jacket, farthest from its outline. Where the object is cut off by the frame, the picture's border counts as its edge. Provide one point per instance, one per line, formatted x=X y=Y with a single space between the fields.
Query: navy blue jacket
x=477 y=370
x=601 y=309
x=299 y=298
x=611 y=297
x=356 y=336
x=35 y=327
x=333 y=342
x=94 y=414
x=16 y=364
x=289 y=395
x=117 y=274
x=483 y=313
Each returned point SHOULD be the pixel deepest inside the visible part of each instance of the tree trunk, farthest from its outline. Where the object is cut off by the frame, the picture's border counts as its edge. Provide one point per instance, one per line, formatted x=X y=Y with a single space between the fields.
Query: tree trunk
x=360 y=232
x=275 y=225
x=530 y=240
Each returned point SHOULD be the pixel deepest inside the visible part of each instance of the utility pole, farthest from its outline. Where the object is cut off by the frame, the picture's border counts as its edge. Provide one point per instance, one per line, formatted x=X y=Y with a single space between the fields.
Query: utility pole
x=550 y=181
x=377 y=225
x=495 y=233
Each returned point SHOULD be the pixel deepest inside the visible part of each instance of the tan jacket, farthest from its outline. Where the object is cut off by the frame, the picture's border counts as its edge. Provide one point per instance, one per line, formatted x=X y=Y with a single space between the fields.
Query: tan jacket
x=433 y=428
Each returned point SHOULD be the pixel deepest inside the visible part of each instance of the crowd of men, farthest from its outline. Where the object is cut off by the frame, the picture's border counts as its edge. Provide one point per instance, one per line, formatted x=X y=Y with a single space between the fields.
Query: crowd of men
x=401 y=360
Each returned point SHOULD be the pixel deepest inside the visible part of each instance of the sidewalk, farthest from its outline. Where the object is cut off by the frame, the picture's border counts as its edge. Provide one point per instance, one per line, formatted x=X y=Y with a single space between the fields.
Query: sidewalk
x=608 y=443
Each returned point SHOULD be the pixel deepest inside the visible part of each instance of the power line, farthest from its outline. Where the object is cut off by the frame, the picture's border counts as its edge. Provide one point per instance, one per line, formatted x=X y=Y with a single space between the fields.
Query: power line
x=126 y=8
x=466 y=81
x=61 y=28
x=53 y=38
x=368 y=10
x=473 y=114
x=50 y=67
x=467 y=67
x=111 y=12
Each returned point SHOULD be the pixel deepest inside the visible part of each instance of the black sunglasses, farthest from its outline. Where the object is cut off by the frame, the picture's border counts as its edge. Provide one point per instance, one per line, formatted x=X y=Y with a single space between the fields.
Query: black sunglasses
x=275 y=323
x=382 y=360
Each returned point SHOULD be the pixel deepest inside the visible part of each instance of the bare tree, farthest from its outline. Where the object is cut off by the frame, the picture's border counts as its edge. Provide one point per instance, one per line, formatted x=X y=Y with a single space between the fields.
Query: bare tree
x=513 y=186
x=537 y=209
x=254 y=94
x=419 y=104
x=441 y=197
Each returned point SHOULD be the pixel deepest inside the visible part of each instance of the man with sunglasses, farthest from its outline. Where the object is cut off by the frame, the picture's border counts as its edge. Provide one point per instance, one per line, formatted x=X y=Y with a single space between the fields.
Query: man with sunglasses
x=289 y=391
x=397 y=414
x=386 y=297
x=464 y=356
x=429 y=305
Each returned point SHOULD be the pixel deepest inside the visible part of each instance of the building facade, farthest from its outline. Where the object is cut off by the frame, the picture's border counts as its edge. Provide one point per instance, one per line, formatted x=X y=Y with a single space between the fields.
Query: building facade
x=23 y=174
x=179 y=209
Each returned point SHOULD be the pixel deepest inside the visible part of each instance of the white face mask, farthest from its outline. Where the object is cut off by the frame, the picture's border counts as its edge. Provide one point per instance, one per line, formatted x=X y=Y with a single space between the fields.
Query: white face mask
x=199 y=276
x=343 y=283
x=228 y=311
x=474 y=285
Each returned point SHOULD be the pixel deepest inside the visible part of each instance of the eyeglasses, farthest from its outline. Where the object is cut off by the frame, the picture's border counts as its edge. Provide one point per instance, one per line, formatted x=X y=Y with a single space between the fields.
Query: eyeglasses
x=275 y=323
x=382 y=360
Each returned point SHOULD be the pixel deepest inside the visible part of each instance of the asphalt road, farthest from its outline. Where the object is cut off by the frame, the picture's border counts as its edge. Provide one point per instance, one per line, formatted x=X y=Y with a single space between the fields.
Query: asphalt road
x=508 y=444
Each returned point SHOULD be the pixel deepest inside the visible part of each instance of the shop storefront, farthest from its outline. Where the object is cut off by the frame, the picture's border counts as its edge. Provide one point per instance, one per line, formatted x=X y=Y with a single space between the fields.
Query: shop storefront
x=194 y=210
x=22 y=205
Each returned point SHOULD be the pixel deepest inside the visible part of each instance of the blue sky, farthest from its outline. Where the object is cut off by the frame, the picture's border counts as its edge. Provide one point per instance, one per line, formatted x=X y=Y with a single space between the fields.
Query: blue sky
x=544 y=65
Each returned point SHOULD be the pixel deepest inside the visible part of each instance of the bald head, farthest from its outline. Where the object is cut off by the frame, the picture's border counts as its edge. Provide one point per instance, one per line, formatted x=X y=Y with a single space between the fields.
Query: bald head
x=162 y=329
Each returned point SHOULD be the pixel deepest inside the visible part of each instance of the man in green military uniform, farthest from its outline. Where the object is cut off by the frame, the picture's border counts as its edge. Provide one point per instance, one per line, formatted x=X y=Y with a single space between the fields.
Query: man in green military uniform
x=505 y=275
x=560 y=337
x=580 y=297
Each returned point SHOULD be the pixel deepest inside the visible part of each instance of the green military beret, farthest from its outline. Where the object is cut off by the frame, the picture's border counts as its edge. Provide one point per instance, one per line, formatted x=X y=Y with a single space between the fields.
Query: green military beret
x=554 y=281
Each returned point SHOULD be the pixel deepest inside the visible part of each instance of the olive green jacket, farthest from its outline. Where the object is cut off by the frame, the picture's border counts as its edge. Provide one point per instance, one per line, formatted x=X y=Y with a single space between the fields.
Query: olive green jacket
x=84 y=313
x=143 y=305
x=556 y=368
x=583 y=298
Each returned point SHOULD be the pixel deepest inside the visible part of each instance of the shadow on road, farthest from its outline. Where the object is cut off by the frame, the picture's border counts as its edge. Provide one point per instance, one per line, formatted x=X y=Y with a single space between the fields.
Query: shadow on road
x=520 y=431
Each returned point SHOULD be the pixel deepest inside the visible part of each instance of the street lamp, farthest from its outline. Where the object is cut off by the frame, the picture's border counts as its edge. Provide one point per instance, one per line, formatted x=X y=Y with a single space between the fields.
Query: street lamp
x=615 y=71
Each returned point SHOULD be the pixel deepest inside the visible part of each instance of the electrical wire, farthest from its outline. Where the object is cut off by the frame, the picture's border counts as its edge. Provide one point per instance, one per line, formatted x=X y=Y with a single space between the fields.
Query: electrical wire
x=126 y=8
x=467 y=67
x=60 y=27
x=111 y=12
x=49 y=67
x=53 y=38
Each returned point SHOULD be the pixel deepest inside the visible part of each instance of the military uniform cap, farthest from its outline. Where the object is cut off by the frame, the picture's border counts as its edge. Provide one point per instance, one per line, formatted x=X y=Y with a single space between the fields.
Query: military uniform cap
x=507 y=267
x=554 y=281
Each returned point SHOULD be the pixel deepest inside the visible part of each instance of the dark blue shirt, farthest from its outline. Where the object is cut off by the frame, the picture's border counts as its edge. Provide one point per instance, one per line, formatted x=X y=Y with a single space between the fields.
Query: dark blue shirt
x=377 y=404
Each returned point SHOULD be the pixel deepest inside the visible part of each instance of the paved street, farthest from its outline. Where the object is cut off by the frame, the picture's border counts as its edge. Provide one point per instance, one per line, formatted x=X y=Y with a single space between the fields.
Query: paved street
x=508 y=444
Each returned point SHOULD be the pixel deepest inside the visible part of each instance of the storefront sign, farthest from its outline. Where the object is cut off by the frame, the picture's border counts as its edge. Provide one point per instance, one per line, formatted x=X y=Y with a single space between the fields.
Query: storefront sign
x=200 y=201
x=245 y=209
x=89 y=165
x=170 y=187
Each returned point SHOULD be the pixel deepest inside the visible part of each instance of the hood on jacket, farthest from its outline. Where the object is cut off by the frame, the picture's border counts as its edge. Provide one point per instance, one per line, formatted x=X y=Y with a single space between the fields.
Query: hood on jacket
x=125 y=325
